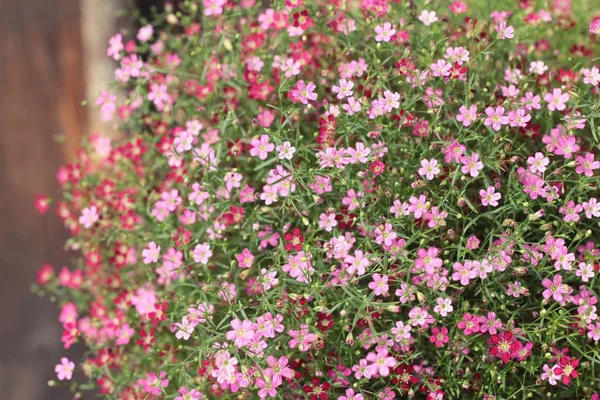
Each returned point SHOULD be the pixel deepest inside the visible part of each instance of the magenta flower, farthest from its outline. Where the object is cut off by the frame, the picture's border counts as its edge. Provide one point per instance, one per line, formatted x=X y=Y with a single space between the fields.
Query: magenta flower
x=438 y=336
x=469 y=324
x=245 y=258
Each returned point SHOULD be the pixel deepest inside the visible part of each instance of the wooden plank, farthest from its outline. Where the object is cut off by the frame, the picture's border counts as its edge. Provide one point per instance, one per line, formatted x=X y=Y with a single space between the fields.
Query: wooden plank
x=41 y=82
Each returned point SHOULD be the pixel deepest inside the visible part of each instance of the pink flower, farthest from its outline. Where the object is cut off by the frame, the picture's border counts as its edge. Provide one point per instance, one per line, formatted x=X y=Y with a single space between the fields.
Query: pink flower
x=467 y=116
x=359 y=154
x=115 y=47
x=357 y=263
x=245 y=258
x=183 y=142
x=241 y=332
x=556 y=100
x=278 y=369
x=489 y=196
x=471 y=165
x=443 y=307
x=418 y=206
x=186 y=394
x=518 y=118
x=286 y=151
x=89 y=216
x=538 y=162
x=304 y=92
x=594 y=331
x=428 y=260
x=551 y=374
x=266 y=388
x=490 y=323
x=585 y=164
x=591 y=208
x=381 y=362
x=385 y=234
x=64 y=370
x=496 y=118
x=595 y=27
x=344 y=90
x=184 y=329
x=384 y=33
x=504 y=32
x=151 y=253
x=554 y=288
x=202 y=253
x=440 y=68
x=145 y=33
x=379 y=285
x=301 y=338
x=429 y=169
x=571 y=211
x=401 y=331
x=351 y=395
x=463 y=272
x=566 y=146
x=261 y=147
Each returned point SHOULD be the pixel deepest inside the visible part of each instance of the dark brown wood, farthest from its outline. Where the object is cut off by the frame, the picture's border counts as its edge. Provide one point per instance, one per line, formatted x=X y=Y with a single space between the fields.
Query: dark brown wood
x=41 y=89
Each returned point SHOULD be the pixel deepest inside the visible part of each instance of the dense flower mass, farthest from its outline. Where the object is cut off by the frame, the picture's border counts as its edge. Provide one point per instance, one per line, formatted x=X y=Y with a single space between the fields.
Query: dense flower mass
x=327 y=199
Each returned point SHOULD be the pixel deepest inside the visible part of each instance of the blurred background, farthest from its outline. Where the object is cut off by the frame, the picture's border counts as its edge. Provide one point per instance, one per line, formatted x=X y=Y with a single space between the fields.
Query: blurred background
x=52 y=57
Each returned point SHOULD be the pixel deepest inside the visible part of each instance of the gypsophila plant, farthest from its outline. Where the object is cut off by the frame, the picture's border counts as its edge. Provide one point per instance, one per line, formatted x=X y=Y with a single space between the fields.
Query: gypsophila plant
x=329 y=199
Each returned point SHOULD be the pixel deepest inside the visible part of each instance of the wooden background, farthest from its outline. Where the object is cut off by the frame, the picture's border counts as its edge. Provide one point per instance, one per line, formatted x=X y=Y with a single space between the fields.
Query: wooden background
x=43 y=80
x=41 y=88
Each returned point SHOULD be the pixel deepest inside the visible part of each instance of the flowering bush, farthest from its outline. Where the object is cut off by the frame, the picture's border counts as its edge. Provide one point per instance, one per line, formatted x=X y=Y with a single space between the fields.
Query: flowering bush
x=340 y=200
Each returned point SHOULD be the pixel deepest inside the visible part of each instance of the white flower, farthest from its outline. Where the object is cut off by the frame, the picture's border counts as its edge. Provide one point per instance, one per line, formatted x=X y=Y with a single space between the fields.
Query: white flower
x=428 y=17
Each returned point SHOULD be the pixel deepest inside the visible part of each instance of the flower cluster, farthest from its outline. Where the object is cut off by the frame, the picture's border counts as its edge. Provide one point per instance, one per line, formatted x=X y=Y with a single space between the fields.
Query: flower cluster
x=326 y=199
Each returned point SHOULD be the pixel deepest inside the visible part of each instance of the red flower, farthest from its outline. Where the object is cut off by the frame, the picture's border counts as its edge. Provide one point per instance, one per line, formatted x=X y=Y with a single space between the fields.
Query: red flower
x=345 y=220
x=377 y=167
x=567 y=369
x=146 y=338
x=325 y=321
x=159 y=313
x=234 y=216
x=504 y=346
x=294 y=239
x=45 y=274
x=302 y=20
x=42 y=203
x=317 y=389
x=404 y=376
